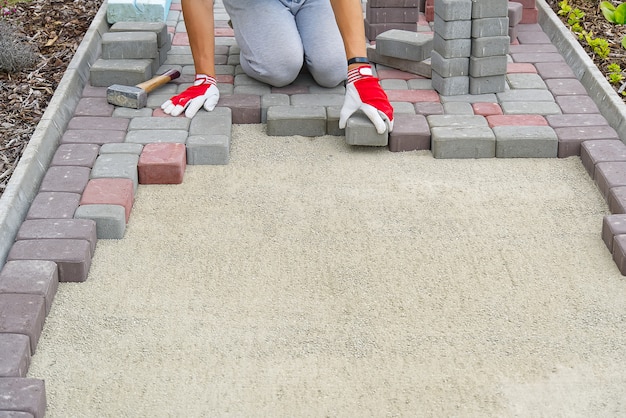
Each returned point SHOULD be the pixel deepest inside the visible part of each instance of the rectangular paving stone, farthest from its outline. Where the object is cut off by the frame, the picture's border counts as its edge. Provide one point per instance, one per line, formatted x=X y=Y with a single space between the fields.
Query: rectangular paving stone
x=530 y=108
x=93 y=137
x=454 y=29
x=373 y=30
x=152 y=123
x=333 y=114
x=317 y=100
x=490 y=26
x=565 y=87
x=421 y=68
x=525 y=142
x=525 y=95
x=59 y=229
x=538 y=58
x=121 y=148
x=462 y=142
x=487 y=109
x=137 y=11
x=71 y=179
x=619 y=253
x=296 y=120
x=53 y=205
x=128 y=72
x=110 y=219
x=38 y=277
x=22 y=314
x=487 y=84
x=453 y=9
x=24 y=395
x=391 y=14
x=489 y=8
x=548 y=70
x=450 y=86
x=490 y=46
x=245 y=108
x=162 y=163
x=158 y=28
x=208 y=149
x=516 y=120
x=451 y=48
x=488 y=66
x=151 y=136
x=15 y=358
x=93 y=106
x=449 y=67
x=617 y=200
x=217 y=122
x=428 y=108
x=458 y=108
x=571 y=138
x=456 y=121
x=80 y=155
x=129 y=45
x=98 y=123
x=525 y=81
x=110 y=191
x=581 y=105
x=602 y=150
x=414 y=46
x=608 y=175
x=410 y=132
x=612 y=225
x=361 y=131
x=117 y=166
x=269 y=100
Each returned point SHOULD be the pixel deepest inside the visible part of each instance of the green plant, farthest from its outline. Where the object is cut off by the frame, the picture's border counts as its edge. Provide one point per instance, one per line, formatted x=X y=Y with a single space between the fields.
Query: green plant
x=600 y=46
x=615 y=73
x=614 y=14
x=573 y=15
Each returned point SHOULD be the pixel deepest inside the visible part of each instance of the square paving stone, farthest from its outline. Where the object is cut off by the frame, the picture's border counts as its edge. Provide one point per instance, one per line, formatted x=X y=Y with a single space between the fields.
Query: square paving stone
x=162 y=163
x=71 y=179
x=15 y=358
x=53 y=205
x=73 y=256
x=110 y=191
x=609 y=175
x=617 y=200
x=22 y=314
x=361 y=131
x=594 y=152
x=23 y=395
x=410 y=132
x=82 y=155
x=59 y=229
x=38 y=277
x=110 y=219
x=208 y=150
x=216 y=122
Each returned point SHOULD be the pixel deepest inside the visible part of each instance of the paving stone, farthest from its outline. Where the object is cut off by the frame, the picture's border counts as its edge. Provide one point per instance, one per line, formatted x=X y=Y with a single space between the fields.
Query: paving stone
x=217 y=122
x=489 y=8
x=453 y=29
x=80 y=155
x=570 y=138
x=617 y=201
x=117 y=166
x=428 y=108
x=532 y=48
x=391 y=14
x=453 y=9
x=534 y=37
x=456 y=121
x=619 y=253
x=548 y=70
x=92 y=137
x=252 y=90
x=525 y=81
x=603 y=150
x=152 y=123
x=410 y=132
x=421 y=68
x=245 y=108
x=158 y=28
x=125 y=112
x=269 y=100
x=516 y=120
x=515 y=13
x=110 y=191
x=361 y=131
x=65 y=179
x=91 y=91
x=452 y=48
x=129 y=45
x=121 y=148
x=612 y=225
x=93 y=106
x=137 y=10
x=22 y=314
x=22 y=394
x=162 y=163
x=37 y=277
x=15 y=414
x=486 y=109
x=296 y=120
x=208 y=149
x=490 y=46
x=151 y=136
x=582 y=104
x=608 y=175
x=487 y=84
x=53 y=205
x=470 y=98
x=98 y=123
x=317 y=100
x=403 y=107
x=530 y=108
x=525 y=142
x=458 y=108
x=530 y=16
x=15 y=359
x=491 y=26
x=488 y=66
x=59 y=229
x=538 y=58
x=521 y=67
x=392 y=84
x=104 y=73
x=110 y=219
x=373 y=30
x=462 y=142
x=525 y=95
x=450 y=86
x=449 y=67
x=420 y=84
x=565 y=87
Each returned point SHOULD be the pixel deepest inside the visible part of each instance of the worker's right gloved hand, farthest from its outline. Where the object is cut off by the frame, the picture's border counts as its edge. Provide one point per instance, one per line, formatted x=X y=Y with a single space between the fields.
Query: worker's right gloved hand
x=204 y=92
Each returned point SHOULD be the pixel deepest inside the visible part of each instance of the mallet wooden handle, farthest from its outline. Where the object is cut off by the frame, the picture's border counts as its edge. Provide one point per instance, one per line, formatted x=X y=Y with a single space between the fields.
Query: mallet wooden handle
x=159 y=80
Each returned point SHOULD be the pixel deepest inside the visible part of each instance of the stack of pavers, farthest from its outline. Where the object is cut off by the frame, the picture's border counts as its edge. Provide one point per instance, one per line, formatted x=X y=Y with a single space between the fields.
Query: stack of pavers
x=384 y=15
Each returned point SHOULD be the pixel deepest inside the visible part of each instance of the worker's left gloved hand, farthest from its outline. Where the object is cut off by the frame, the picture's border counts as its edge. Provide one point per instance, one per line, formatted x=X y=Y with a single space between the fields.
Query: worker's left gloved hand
x=363 y=91
x=204 y=92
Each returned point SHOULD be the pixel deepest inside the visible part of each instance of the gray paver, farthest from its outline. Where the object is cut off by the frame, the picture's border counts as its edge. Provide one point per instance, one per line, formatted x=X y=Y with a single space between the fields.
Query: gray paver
x=449 y=67
x=525 y=142
x=489 y=8
x=452 y=48
x=110 y=219
x=217 y=122
x=487 y=84
x=117 y=166
x=490 y=46
x=296 y=120
x=450 y=86
x=488 y=66
x=453 y=9
x=156 y=123
x=530 y=108
x=525 y=81
x=208 y=150
x=105 y=73
x=463 y=142
x=360 y=131
x=129 y=45
x=491 y=26
x=150 y=136
x=413 y=46
x=121 y=148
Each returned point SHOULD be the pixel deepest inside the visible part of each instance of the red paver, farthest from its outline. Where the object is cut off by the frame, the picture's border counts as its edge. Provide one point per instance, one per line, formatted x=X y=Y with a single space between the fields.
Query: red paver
x=594 y=152
x=527 y=4
x=82 y=136
x=529 y=16
x=619 y=253
x=72 y=256
x=413 y=96
x=396 y=74
x=98 y=123
x=516 y=120
x=38 y=277
x=520 y=68
x=225 y=78
x=549 y=70
x=59 y=229
x=22 y=314
x=23 y=395
x=581 y=105
x=576 y=119
x=91 y=91
x=109 y=191
x=71 y=179
x=180 y=39
x=245 y=108
x=486 y=109
x=565 y=87
x=610 y=174
x=410 y=133
x=83 y=155
x=176 y=6
x=94 y=106
x=224 y=32
x=53 y=205
x=571 y=138
x=15 y=358
x=162 y=163
x=291 y=89
x=617 y=200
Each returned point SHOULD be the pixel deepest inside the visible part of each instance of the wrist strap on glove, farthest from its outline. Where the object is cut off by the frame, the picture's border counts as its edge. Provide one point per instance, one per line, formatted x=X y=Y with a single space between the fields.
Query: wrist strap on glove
x=204 y=79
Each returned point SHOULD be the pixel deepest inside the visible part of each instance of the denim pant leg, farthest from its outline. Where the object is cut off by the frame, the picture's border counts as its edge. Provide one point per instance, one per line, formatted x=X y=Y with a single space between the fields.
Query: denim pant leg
x=276 y=35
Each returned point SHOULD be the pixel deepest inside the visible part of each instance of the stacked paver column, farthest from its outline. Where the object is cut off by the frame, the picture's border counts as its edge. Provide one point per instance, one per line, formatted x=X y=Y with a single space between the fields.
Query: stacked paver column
x=470 y=46
x=384 y=15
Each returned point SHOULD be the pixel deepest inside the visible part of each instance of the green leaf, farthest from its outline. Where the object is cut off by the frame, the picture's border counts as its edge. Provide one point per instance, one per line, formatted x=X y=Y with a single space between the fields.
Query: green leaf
x=608 y=10
x=620 y=14
x=624 y=42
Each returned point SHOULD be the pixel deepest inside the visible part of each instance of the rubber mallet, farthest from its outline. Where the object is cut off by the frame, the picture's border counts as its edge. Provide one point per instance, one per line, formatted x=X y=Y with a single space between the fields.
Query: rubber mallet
x=136 y=97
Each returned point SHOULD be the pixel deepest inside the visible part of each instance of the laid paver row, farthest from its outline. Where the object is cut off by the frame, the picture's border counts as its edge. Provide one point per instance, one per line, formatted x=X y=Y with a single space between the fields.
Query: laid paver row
x=88 y=191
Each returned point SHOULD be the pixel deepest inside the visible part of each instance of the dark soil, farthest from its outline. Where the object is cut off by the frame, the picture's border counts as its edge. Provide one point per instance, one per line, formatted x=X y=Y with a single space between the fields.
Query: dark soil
x=56 y=27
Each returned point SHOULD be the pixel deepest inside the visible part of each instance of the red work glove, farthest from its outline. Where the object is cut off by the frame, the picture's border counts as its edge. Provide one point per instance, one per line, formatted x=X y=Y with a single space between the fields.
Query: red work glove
x=364 y=92
x=204 y=92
